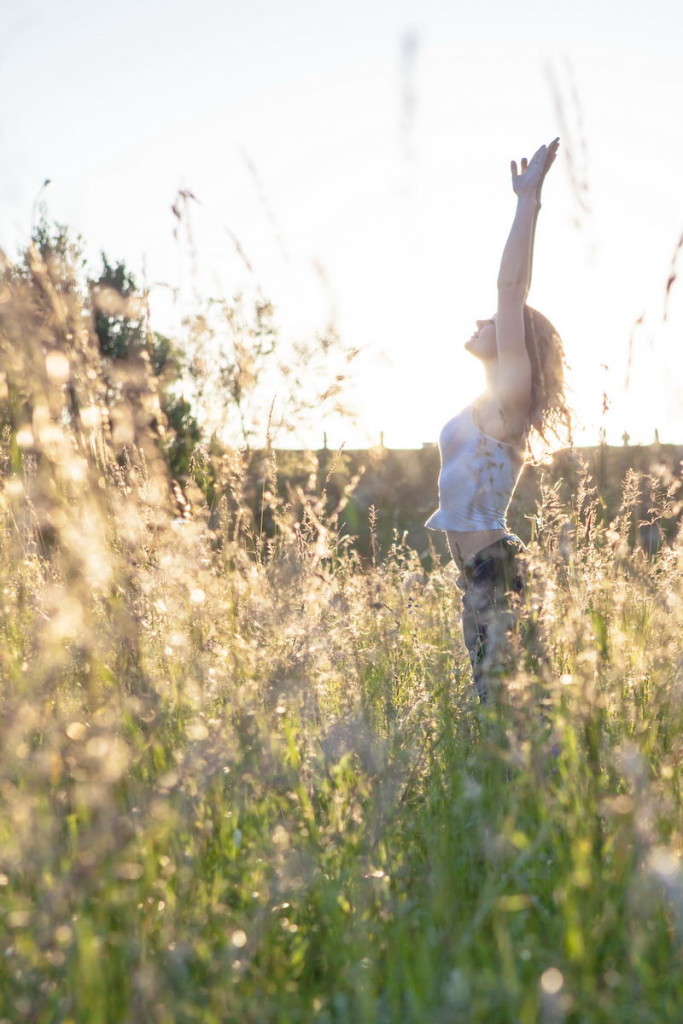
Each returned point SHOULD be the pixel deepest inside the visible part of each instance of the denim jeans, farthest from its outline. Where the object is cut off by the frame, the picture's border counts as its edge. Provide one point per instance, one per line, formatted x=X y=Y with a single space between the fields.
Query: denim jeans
x=493 y=584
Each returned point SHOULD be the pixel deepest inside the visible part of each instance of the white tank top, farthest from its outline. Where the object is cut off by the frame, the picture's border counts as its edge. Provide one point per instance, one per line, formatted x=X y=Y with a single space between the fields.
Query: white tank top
x=478 y=476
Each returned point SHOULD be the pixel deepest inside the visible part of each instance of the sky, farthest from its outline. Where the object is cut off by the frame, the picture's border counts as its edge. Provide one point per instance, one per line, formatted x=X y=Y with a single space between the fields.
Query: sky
x=359 y=153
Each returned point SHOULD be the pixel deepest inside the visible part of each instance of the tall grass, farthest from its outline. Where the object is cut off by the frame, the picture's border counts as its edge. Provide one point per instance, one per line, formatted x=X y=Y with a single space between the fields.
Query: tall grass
x=246 y=779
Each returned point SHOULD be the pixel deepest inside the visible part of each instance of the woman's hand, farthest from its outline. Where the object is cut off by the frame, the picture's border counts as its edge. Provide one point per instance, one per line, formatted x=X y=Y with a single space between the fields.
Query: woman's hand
x=530 y=180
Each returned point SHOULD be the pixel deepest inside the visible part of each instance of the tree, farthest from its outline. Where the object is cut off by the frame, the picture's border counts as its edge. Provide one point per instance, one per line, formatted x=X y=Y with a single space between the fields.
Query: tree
x=132 y=352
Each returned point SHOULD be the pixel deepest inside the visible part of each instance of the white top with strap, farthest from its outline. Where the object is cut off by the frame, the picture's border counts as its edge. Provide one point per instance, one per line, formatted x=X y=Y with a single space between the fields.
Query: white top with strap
x=477 y=479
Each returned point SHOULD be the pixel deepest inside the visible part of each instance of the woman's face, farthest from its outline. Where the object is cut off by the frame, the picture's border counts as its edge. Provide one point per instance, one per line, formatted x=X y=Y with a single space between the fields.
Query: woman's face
x=482 y=344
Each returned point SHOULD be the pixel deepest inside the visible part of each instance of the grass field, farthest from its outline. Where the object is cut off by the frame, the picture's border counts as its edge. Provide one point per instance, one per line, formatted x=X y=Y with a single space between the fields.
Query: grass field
x=245 y=779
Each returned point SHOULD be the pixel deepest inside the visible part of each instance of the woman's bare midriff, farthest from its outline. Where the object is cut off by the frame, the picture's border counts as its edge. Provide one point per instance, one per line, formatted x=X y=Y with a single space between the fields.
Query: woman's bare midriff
x=465 y=543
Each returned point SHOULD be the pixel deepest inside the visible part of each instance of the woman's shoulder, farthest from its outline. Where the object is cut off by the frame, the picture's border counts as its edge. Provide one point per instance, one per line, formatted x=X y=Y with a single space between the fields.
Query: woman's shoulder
x=493 y=423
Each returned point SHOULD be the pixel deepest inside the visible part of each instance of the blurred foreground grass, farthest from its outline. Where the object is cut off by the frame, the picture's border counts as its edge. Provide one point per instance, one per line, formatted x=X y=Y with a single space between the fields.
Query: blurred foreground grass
x=246 y=779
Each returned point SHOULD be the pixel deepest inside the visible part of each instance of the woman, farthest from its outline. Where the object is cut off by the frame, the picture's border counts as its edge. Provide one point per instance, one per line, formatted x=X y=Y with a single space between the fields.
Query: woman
x=483 y=449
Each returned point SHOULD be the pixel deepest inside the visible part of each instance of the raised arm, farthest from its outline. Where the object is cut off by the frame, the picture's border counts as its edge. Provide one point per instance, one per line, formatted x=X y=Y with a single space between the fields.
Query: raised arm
x=514 y=280
x=515 y=265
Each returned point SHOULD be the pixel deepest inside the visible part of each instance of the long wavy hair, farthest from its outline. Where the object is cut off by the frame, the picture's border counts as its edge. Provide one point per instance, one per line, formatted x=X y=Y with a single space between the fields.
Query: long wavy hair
x=549 y=414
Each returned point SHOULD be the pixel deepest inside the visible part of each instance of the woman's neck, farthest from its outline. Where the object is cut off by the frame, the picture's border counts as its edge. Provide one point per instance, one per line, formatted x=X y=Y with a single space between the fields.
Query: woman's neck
x=491 y=372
